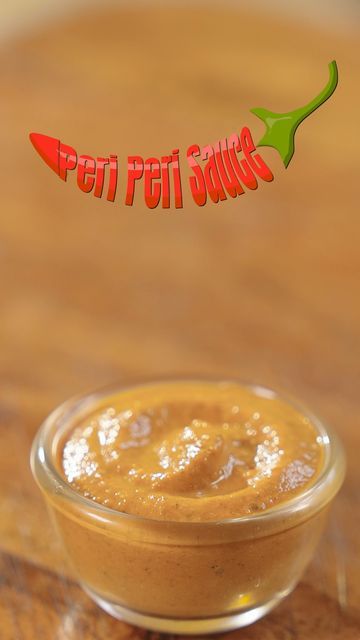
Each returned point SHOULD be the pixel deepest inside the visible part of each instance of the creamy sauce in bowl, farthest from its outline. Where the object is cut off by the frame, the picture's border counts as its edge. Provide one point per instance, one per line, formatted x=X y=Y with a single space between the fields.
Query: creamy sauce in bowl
x=193 y=451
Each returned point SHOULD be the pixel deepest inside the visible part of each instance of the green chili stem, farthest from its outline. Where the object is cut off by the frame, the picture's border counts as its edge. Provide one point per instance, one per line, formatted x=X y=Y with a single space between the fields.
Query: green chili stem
x=281 y=127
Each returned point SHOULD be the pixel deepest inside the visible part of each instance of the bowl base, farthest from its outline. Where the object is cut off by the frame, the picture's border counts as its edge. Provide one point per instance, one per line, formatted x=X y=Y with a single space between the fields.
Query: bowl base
x=180 y=626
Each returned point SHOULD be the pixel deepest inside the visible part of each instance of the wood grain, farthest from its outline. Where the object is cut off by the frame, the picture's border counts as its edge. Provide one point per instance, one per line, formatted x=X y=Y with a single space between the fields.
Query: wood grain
x=265 y=287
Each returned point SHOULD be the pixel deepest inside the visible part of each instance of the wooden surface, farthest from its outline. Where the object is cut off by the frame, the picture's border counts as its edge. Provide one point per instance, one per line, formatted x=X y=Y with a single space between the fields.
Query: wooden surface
x=265 y=287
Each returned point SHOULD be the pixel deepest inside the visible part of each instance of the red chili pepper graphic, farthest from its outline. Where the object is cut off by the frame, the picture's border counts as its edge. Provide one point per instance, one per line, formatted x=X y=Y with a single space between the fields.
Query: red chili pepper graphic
x=225 y=173
x=62 y=158
x=48 y=149
x=222 y=175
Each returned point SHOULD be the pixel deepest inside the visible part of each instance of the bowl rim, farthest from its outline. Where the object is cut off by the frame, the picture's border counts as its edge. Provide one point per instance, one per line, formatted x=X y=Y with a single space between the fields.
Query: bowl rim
x=315 y=497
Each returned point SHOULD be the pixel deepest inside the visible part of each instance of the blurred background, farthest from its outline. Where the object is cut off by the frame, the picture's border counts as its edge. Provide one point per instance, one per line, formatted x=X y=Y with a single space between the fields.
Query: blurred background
x=264 y=287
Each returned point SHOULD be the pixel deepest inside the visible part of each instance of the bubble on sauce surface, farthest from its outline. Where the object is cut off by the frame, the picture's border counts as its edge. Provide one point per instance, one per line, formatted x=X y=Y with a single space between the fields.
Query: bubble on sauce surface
x=78 y=460
x=295 y=474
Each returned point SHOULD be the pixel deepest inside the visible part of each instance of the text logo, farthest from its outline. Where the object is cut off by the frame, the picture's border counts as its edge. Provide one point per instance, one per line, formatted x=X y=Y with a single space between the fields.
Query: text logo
x=218 y=171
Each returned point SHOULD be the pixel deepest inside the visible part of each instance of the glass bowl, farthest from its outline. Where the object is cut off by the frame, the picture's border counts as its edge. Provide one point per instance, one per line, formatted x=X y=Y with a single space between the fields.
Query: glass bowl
x=178 y=577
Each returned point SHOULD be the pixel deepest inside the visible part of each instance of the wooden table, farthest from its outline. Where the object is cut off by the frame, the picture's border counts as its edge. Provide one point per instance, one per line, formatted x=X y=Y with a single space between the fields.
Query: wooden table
x=265 y=287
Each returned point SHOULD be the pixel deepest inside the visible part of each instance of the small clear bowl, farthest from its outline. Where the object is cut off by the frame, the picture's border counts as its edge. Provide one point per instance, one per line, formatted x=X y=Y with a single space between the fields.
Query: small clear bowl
x=179 y=577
